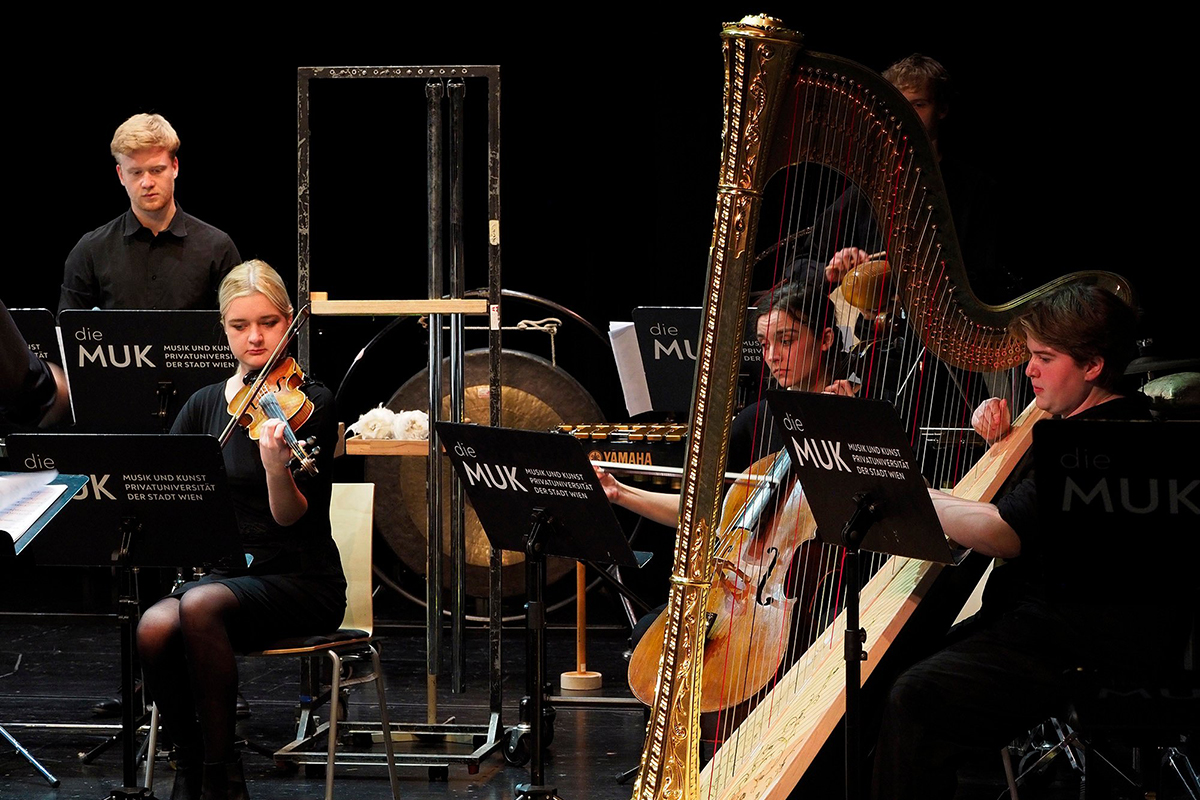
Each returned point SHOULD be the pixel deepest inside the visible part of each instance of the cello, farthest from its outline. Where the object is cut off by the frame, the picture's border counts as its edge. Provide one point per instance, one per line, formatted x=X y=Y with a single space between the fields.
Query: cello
x=765 y=588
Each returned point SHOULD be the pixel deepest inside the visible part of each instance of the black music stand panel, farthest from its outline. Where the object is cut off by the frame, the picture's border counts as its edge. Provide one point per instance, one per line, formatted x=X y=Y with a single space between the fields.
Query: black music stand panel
x=174 y=486
x=39 y=332
x=1122 y=499
x=508 y=474
x=668 y=337
x=132 y=371
x=841 y=446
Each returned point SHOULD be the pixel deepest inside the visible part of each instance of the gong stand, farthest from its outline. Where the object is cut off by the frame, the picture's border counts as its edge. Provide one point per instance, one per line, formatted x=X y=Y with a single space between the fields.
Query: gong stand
x=445 y=89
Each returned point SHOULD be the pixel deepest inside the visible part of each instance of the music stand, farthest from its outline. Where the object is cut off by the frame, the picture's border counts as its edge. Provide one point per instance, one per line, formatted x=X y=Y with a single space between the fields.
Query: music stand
x=39 y=332
x=151 y=500
x=12 y=543
x=37 y=328
x=1121 y=499
x=152 y=360
x=864 y=489
x=667 y=340
x=537 y=494
x=1103 y=486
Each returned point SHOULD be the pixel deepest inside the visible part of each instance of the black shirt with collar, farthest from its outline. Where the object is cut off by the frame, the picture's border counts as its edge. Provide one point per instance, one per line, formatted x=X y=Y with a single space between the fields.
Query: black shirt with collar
x=124 y=265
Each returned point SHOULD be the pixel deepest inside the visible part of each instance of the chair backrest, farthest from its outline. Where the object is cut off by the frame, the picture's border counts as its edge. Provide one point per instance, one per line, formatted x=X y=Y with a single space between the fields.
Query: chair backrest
x=351 y=510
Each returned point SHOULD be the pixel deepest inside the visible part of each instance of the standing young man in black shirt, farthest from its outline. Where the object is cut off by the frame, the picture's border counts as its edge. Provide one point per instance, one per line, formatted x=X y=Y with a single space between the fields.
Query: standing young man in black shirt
x=154 y=256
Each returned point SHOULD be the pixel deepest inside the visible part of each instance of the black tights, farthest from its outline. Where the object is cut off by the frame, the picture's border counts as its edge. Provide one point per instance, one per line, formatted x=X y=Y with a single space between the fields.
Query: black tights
x=190 y=671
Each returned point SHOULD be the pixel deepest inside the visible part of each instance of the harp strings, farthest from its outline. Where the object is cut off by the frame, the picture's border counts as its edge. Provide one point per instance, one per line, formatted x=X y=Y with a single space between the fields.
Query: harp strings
x=930 y=395
x=836 y=221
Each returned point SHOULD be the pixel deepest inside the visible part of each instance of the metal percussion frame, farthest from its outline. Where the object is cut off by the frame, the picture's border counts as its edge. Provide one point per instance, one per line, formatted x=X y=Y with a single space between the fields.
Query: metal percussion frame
x=444 y=90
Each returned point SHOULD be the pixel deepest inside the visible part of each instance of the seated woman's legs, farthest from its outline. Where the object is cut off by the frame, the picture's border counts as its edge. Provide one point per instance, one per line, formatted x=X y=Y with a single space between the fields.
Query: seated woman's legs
x=190 y=670
x=160 y=646
x=206 y=614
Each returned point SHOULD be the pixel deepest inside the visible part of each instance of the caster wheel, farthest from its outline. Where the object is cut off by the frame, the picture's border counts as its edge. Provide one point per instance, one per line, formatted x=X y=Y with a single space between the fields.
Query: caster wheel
x=314 y=770
x=517 y=747
x=439 y=774
x=549 y=714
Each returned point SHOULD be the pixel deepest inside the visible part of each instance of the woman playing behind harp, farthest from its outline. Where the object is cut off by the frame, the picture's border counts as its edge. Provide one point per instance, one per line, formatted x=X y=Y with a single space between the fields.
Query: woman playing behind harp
x=759 y=587
x=802 y=349
x=292 y=582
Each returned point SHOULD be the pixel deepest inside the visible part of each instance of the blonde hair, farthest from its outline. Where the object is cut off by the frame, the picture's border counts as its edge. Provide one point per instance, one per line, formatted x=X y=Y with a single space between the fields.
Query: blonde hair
x=918 y=72
x=144 y=132
x=253 y=277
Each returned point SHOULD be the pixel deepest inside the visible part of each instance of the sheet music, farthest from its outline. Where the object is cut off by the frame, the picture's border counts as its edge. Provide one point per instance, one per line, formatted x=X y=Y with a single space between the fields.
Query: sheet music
x=23 y=500
x=629 y=367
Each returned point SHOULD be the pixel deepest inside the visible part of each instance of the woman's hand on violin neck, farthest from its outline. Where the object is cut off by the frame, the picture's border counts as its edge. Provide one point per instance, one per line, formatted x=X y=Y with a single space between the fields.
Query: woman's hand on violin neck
x=288 y=503
x=272 y=447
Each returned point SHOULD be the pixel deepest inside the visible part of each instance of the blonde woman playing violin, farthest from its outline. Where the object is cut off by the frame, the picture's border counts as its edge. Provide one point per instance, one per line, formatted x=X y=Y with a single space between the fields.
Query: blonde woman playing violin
x=291 y=583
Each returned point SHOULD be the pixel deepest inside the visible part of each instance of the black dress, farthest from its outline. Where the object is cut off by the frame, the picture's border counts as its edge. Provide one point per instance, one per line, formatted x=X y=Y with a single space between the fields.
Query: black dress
x=292 y=584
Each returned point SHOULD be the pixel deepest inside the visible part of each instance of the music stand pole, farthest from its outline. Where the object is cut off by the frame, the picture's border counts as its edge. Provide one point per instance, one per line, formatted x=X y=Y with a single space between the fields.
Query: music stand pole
x=127 y=605
x=856 y=636
x=536 y=494
x=535 y=622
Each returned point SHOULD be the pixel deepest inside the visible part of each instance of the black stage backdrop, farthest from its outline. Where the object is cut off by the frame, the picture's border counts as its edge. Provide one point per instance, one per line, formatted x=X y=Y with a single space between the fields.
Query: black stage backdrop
x=611 y=136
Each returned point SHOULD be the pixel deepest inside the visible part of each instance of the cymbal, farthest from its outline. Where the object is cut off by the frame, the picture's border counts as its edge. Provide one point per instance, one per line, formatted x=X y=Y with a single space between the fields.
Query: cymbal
x=535 y=395
x=1144 y=364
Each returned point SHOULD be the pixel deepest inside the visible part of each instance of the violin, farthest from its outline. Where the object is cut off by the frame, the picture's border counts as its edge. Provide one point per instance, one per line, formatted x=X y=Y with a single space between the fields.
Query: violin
x=276 y=394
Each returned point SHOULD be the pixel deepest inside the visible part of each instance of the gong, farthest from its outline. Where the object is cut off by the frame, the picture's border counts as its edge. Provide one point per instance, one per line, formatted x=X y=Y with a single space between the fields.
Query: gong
x=536 y=395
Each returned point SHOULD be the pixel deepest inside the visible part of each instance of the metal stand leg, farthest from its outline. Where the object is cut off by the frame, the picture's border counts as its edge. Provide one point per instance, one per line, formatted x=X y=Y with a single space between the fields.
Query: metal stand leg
x=53 y=781
x=1178 y=763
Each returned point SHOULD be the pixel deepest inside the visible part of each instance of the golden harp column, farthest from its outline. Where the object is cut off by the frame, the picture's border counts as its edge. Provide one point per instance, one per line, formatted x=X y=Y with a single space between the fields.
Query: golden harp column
x=759 y=53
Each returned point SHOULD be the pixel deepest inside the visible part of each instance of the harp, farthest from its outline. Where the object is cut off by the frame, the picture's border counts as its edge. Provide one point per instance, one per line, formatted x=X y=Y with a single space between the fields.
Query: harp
x=787 y=110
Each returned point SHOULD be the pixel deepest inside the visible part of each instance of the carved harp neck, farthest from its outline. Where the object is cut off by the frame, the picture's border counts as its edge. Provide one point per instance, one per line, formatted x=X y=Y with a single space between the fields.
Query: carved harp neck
x=759 y=53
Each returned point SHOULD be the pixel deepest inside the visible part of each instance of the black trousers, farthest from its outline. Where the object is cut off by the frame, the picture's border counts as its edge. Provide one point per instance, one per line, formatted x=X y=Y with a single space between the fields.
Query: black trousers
x=997 y=679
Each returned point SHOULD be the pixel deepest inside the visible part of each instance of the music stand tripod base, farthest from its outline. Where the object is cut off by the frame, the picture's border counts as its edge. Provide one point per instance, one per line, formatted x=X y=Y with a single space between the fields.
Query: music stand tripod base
x=527 y=791
x=131 y=793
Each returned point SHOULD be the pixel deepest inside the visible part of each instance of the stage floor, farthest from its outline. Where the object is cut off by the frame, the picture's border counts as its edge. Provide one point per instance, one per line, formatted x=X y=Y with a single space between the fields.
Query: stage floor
x=54 y=668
